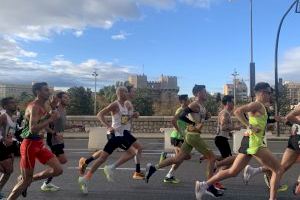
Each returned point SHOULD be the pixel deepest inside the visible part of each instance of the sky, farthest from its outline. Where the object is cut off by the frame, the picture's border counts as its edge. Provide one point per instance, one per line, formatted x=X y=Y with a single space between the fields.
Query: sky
x=199 y=41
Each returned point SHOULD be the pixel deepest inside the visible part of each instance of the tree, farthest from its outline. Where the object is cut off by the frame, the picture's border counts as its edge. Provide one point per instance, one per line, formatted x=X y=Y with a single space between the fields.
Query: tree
x=284 y=102
x=109 y=93
x=143 y=102
x=81 y=101
x=24 y=99
x=212 y=105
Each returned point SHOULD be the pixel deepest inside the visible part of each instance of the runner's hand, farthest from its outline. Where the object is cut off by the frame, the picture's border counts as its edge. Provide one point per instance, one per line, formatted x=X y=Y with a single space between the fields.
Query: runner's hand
x=135 y=115
x=111 y=129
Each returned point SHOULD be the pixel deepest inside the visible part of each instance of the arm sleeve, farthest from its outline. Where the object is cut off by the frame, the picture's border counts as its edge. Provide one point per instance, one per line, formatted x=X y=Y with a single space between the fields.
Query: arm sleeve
x=183 y=115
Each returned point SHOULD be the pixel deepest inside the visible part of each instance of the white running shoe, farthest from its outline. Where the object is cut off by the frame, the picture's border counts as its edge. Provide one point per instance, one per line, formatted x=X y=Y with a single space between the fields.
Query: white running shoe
x=200 y=190
x=109 y=173
x=83 y=183
x=247 y=174
x=49 y=187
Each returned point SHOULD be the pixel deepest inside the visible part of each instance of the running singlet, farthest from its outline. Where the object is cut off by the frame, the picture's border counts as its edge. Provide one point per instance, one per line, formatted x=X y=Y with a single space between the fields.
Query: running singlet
x=181 y=125
x=26 y=134
x=256 y=139
x=120 y=120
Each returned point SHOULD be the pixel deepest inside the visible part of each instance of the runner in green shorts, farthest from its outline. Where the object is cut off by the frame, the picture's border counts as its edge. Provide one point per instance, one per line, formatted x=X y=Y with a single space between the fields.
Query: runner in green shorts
x=195 y=116
x=252 y=144
x=177 y=138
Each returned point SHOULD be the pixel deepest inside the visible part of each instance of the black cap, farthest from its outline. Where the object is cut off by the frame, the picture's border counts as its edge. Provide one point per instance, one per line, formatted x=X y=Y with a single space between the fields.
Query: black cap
x=263 y=86
x=198 y=88
x=183 y=97
x=227 y=99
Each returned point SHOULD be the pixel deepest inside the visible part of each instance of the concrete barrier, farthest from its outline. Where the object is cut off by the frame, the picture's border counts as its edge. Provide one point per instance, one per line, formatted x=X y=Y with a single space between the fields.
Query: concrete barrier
x=97 y=138
x=167 y=133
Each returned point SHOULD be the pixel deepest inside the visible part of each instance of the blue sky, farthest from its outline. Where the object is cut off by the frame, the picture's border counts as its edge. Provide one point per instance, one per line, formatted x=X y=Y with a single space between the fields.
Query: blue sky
x=200 y=41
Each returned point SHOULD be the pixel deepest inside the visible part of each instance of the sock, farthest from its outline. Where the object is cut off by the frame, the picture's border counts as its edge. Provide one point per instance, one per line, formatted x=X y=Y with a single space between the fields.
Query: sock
x=112 y=166
x=89 y=160
x=171 y=172
x=257 y=170
x=205 y=185
x=89 y=175
x=138 y=168
x=156 y=166
x=48 y=180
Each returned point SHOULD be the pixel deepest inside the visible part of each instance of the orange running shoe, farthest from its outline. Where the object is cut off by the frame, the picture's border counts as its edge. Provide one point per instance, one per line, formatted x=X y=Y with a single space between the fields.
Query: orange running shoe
x=219 y=186
x=138 y=176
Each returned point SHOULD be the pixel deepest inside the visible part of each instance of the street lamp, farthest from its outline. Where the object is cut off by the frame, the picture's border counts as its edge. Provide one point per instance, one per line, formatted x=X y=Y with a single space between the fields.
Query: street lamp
x=252 y=63
x=235 y=74
x=95 y=101
x=296 y=2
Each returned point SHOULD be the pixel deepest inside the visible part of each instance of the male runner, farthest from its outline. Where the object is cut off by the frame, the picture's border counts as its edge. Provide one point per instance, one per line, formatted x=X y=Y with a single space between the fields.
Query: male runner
x=118 y=137
x=177 y=138
x=197 y=115
x=32 y=147
x=137 y=175
x=252 y=144
x=8 y=144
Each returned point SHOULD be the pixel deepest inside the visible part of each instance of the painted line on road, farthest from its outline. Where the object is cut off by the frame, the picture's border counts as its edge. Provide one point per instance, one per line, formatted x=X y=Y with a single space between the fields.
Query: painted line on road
x=121 y=168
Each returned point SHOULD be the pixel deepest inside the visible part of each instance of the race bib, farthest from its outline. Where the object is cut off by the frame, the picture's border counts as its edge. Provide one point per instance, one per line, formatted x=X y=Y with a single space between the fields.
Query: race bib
x=124 y=119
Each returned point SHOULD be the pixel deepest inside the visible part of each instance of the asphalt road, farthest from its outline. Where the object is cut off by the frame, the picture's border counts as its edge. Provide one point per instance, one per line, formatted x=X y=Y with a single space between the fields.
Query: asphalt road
x=125 y=188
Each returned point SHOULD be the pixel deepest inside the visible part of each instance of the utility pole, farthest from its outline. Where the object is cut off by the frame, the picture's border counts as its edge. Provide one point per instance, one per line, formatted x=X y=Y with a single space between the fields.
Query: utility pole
x=235 y=74
x=95 y=100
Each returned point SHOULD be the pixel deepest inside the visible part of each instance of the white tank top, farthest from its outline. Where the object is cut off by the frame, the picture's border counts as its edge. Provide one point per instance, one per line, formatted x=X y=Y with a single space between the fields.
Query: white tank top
x=199 y=116
x=10 y=128
x=219 y=131
x=121 y=120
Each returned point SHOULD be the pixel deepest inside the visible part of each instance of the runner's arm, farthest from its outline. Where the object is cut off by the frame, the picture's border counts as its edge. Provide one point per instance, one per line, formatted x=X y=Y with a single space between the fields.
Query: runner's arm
x=241 y=111
x=106 y=111
x=293 y=116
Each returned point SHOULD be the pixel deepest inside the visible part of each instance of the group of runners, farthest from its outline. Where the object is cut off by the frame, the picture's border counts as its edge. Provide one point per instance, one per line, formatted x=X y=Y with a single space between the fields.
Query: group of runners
x=47 y=117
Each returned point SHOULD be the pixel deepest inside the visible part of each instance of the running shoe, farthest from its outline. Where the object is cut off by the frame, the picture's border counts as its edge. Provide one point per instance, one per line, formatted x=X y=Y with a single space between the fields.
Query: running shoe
x=283 y=188
x=296 y=189
x=212 y=191
x=83 y=184
x=109 y=173
x=82 y=166
x=219 y=186
x=247 y=174
x=150 y=170
x=267 y=180
x=49 y=187
x=172 y=179
x=138 y=176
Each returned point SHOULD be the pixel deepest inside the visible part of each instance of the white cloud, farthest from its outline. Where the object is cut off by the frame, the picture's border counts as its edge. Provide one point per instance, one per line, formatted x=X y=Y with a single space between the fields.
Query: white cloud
x=39 y=19
x=199 y=3
x=78 y=33
x=20 y=66
x=121 y=36
x=288 y=68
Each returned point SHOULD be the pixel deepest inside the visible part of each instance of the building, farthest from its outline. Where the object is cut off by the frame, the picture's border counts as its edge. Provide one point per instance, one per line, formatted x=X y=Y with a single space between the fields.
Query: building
x=241 y=90
x=163 y=92
x=293 y=90
x=14 y=90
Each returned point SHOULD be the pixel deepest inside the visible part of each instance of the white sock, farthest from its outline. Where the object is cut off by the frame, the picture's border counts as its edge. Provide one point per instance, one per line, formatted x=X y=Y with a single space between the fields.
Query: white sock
x=112 y=166
x=204 y=184
x=170 y=173
x=256 y=170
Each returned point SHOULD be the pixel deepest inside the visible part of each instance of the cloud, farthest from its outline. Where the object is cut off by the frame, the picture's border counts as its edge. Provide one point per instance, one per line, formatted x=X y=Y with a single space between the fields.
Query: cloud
x=39 y=19
x=288 y=69
x=199 y=3
x=20 y=66
x=121 y=36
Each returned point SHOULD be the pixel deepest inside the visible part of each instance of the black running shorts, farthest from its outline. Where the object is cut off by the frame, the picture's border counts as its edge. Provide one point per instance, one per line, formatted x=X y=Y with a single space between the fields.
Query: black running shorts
x=124 y=142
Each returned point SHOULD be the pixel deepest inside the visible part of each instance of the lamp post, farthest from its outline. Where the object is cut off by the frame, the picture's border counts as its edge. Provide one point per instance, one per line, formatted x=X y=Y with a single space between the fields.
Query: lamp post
x=296 y=2
x=95 y=100
x=252 y=63
x=235 y=74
